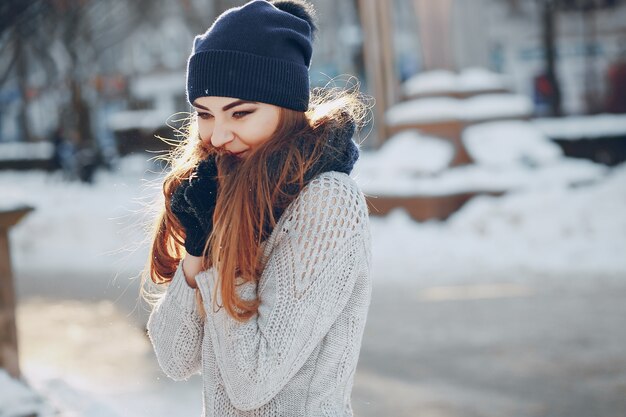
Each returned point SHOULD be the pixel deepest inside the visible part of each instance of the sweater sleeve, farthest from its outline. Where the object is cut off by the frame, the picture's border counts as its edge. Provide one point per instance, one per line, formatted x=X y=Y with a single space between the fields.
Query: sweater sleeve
x=175 y=329
x=306 y=283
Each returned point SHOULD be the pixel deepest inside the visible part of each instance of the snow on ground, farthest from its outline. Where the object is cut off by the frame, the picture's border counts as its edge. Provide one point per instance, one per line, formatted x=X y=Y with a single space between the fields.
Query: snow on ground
x=476 y=178
x=559 y=215
x=19 y=400
x=77 y=227
x=558 y=231
x=501 y=144
x=548 y=229
x=508 y=156
x=443 y=109
x=410 y=152
x=578 y=127
x=545 y=223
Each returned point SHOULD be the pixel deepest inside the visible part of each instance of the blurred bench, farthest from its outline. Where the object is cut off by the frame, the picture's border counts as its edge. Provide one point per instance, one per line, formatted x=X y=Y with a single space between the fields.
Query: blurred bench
x=26 y=155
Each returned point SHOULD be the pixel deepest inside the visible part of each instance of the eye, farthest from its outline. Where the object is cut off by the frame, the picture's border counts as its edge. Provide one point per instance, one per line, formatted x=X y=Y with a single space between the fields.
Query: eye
x=241 y=114
x=204 y=115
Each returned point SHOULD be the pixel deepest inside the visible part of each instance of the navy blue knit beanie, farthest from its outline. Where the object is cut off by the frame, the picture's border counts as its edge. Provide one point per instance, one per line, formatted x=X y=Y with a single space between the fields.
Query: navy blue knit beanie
x=260 y=51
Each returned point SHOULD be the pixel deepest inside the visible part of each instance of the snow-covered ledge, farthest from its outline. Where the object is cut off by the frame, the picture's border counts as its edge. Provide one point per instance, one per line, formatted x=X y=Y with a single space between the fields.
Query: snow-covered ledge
x=470 y=110
x=10 y=151
x=408 y=153
x=579 y=127
x=443 y=82
x=506 y=143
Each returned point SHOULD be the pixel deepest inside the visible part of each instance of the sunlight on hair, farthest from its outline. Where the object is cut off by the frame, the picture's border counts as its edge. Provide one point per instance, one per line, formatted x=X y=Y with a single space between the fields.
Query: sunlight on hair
x=331 y=109
x=341 y=98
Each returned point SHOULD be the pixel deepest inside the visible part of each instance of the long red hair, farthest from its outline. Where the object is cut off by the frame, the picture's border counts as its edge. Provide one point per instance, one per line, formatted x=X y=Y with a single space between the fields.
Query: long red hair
x=249 y=192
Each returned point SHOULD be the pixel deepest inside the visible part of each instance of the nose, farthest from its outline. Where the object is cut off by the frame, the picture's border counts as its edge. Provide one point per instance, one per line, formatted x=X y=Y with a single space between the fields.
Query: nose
x=221 y=135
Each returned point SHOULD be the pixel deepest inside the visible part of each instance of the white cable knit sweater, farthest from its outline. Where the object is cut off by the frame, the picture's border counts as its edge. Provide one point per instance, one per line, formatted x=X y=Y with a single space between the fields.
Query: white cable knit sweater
x=298 y=356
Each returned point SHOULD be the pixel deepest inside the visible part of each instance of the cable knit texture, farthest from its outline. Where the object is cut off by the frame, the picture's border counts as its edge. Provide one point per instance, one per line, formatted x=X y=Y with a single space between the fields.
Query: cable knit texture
x=298 y=356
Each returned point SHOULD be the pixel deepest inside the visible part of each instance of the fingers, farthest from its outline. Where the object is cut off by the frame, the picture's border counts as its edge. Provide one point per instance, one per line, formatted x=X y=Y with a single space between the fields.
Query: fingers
x=202 y=190
x=202 y=196
x=177 y=201
x=207 y=168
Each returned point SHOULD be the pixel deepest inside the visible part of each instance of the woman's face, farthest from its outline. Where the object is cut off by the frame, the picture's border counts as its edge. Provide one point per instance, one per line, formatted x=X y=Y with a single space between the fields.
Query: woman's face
x=235 y=125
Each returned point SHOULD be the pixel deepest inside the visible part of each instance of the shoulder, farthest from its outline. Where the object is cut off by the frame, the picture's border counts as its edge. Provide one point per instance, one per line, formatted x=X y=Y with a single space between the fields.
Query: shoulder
x=331 y=197
x=333 y=182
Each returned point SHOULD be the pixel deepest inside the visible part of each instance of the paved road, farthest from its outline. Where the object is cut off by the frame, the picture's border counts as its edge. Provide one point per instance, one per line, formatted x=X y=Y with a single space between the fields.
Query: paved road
x=533 y=349
x=548 y=346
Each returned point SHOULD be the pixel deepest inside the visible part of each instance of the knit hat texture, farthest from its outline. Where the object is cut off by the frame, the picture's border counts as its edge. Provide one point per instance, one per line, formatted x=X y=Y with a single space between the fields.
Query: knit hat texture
x=260 y=51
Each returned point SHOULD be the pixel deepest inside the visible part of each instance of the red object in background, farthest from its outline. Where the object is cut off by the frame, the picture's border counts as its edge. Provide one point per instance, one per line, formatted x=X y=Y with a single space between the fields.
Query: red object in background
x=109 y=85
x=543 y=95
x=31 y=93
x=616 y=87
x=544 y=86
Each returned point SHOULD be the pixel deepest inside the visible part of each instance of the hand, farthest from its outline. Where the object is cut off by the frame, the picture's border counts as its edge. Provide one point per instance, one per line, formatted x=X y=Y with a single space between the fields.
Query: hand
x=192 y=266
x=193 y=204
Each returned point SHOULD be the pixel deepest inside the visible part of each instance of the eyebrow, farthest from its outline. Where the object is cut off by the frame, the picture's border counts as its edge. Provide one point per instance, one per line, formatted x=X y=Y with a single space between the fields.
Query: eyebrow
x=228 y=106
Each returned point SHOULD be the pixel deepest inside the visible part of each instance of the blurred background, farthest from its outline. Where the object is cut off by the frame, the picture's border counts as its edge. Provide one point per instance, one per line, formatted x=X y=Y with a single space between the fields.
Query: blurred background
x=493 y=167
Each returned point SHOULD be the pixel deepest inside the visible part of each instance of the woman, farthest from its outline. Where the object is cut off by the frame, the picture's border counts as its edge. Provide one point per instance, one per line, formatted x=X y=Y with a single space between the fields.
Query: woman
x=264 y=242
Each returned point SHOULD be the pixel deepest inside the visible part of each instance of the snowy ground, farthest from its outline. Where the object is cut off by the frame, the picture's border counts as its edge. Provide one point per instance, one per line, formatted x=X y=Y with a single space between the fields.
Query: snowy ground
x=101 y=229
x=88 y=243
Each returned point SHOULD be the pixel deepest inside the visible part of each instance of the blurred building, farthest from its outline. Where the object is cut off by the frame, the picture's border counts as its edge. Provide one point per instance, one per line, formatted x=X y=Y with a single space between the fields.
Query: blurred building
x=128 y=60
x=506 y=36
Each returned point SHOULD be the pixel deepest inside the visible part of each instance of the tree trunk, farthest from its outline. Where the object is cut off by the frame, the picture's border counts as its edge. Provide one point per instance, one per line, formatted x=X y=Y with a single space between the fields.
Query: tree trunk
x=548 y=20
x=81 y=114
x=592 y=96
x=21 y=71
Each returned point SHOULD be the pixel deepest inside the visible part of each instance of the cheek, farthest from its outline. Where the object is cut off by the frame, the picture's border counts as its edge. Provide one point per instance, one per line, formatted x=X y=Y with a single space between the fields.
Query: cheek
x=205 y=130
x=257 y=133
x=265 y=133
x=268 y=125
